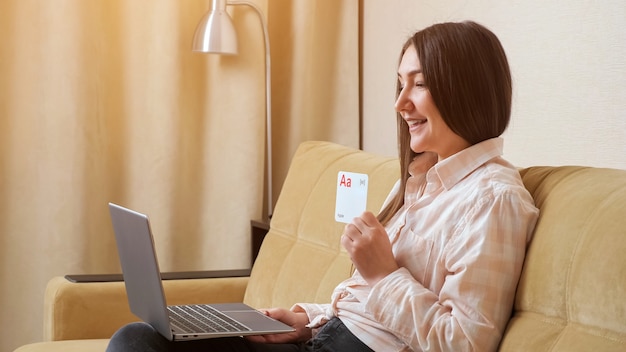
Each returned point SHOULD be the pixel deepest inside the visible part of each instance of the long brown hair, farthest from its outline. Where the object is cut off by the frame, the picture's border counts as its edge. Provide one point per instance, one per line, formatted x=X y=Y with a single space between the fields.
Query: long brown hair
x=467 y=73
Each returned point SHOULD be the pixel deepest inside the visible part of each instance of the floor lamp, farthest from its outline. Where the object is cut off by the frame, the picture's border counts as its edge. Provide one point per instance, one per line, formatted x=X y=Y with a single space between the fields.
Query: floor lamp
x=216 y=34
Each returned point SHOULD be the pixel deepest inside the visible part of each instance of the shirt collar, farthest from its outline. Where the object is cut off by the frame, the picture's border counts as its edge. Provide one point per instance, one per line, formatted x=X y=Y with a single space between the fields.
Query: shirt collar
x=456 y=167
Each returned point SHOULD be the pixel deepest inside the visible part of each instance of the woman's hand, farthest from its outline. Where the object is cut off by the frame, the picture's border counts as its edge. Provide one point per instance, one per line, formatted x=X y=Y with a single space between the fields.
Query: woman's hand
x=296 y=320
x=369 y=248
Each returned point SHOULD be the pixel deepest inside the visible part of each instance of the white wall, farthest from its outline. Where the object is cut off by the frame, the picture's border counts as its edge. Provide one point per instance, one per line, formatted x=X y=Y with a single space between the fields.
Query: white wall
x=568 y=59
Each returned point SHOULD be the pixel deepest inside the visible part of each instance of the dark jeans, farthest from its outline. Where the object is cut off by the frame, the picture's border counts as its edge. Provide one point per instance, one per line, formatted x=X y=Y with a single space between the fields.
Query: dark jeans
x=141 y=337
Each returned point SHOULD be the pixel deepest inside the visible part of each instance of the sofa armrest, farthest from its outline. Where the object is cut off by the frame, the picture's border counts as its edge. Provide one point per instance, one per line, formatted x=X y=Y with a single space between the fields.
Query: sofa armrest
x=96 y=309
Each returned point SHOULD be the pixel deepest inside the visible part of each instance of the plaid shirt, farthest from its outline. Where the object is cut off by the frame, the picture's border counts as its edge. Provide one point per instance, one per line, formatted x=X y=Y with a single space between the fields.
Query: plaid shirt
x=460 y=241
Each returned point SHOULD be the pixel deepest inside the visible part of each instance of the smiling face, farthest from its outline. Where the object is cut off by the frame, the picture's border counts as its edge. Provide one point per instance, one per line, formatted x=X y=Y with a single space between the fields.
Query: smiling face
x=428 y=130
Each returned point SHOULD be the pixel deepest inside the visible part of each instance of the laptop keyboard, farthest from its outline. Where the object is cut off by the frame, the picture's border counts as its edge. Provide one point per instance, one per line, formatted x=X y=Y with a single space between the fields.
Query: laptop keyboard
x=203 y=318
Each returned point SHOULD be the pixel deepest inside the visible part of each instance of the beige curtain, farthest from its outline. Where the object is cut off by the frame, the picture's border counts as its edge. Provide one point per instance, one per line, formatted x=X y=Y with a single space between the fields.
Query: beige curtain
x=315 y=51
x=103 y=100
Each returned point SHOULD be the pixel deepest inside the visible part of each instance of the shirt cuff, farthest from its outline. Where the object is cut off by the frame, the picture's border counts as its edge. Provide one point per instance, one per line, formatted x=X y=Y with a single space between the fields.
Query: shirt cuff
x=380 y=297
x=319 y=314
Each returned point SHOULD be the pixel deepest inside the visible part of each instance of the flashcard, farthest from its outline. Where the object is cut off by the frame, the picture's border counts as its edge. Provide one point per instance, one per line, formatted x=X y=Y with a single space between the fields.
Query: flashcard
x=351 y=196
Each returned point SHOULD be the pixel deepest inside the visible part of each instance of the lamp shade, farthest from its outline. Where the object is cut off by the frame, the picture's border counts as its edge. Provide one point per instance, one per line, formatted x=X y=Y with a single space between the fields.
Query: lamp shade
x=215 y=32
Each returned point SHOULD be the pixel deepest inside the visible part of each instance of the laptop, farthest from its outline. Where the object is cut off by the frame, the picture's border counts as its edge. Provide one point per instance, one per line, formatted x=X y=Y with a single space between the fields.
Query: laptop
x=146 y=297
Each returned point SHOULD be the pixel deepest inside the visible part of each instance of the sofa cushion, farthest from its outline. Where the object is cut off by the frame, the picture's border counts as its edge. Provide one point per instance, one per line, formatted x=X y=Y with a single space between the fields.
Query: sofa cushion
x=301 y=259
x=573 y=285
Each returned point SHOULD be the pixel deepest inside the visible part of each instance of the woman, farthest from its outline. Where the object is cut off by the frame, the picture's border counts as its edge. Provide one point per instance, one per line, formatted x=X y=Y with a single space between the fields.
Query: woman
x=438 y=268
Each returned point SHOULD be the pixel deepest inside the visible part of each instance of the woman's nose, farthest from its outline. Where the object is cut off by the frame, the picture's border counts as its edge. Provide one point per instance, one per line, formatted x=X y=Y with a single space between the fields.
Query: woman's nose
x=402 y=103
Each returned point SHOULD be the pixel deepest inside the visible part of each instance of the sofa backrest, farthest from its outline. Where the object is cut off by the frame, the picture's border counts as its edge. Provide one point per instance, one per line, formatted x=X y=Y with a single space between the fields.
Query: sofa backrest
x=572 y=292
x=301 y=259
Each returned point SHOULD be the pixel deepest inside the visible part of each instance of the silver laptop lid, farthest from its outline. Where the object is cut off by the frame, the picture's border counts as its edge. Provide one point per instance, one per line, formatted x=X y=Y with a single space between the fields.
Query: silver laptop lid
x=140 y=268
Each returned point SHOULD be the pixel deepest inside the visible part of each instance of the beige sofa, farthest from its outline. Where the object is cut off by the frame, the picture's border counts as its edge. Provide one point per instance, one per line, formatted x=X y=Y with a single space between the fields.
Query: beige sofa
x=571 y=297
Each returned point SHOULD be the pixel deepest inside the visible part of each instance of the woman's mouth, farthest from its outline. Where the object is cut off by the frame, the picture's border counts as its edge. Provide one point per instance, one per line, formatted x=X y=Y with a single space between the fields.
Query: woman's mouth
x=416 y=124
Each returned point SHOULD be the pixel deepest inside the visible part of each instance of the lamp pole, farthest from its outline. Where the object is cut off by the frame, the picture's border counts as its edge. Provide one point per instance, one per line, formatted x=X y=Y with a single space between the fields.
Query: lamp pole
x=203 y=43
